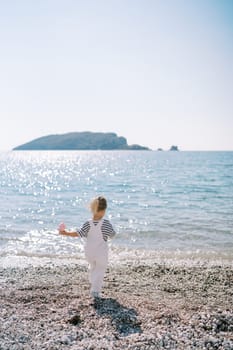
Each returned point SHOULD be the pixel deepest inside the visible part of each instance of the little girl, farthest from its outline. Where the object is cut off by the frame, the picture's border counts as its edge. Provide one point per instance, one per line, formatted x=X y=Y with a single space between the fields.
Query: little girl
x=97 y=232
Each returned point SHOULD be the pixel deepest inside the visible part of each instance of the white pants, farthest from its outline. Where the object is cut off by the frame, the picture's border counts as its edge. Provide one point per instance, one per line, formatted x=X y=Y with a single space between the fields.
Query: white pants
x=96 y=251
x=97 y=269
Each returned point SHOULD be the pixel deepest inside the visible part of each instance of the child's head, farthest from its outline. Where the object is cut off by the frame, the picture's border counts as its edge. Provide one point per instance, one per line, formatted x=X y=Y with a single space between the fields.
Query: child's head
x=98 y=205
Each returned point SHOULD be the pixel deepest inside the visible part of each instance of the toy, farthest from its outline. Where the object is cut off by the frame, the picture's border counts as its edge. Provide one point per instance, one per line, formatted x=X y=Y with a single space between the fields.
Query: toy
x=62 y=227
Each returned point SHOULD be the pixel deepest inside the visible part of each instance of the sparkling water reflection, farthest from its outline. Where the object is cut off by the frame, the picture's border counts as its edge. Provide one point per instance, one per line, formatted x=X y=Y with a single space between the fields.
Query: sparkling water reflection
x=157 y=200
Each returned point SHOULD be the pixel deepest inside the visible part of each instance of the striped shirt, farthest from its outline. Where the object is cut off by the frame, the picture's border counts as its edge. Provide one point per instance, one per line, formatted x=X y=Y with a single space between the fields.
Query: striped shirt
x=106 y=229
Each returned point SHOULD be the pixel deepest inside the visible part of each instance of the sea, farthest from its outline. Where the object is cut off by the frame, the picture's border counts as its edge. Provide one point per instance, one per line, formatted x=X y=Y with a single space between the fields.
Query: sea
x=175 y=206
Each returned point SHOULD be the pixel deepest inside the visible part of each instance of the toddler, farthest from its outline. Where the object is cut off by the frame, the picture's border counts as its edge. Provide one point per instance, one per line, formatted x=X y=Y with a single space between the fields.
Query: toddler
x=97 y=232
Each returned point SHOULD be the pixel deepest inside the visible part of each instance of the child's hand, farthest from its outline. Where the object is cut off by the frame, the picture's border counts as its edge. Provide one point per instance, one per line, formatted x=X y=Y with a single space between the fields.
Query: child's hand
x=61 y=228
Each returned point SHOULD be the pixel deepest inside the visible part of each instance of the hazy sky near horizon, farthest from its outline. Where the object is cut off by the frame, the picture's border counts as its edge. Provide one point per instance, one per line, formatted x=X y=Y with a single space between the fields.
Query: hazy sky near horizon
x=159 y=72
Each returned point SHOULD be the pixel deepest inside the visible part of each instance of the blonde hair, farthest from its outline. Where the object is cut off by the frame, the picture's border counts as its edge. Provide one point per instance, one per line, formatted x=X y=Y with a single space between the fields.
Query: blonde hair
x=98 y=204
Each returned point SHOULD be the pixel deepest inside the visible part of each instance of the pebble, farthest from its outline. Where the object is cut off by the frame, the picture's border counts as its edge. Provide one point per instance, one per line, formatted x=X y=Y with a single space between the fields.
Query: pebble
x=51 y=309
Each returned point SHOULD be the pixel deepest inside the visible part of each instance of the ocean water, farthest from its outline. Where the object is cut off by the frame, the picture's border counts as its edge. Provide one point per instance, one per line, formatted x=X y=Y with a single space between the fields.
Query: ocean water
x=173 y=204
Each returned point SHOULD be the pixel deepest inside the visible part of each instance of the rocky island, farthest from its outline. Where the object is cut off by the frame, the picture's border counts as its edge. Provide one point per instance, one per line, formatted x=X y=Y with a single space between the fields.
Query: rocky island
x=174 y=148
x=80 y=141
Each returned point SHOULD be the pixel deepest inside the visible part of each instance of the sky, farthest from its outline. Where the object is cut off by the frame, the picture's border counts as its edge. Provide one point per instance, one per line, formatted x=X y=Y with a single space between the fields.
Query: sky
x=158 y=72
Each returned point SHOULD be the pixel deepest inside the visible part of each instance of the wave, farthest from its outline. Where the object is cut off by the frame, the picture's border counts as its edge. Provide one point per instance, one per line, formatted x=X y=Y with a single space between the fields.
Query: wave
x=28 y=254
x=123 y=255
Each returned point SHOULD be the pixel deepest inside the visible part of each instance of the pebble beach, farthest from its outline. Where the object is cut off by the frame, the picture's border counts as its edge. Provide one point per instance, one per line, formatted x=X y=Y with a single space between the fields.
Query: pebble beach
x=144 y=305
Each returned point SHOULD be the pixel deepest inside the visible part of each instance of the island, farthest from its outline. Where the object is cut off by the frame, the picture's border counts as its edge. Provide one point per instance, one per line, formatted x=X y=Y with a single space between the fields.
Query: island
x=174 y=148
x=80 y=141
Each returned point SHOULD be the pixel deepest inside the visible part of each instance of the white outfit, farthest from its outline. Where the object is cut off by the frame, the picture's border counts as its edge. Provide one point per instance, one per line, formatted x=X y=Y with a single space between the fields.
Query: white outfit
x=96 y=250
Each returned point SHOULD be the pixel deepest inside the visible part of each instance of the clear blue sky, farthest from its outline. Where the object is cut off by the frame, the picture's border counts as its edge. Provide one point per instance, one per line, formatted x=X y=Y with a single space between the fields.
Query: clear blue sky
x=158 y=72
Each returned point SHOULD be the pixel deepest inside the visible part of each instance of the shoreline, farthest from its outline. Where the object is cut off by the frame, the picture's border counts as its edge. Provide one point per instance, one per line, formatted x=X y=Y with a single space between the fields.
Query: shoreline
x=145 y=305
x=121 y=256
x=119 y=253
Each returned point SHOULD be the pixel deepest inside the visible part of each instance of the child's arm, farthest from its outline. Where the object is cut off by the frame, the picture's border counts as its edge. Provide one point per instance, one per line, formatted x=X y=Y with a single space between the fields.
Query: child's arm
x=69 y=233
x=79 y=233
